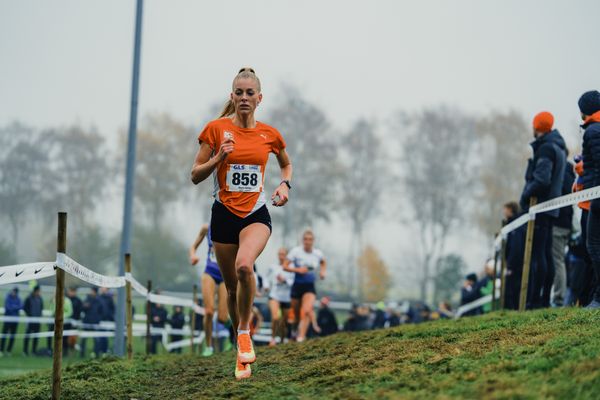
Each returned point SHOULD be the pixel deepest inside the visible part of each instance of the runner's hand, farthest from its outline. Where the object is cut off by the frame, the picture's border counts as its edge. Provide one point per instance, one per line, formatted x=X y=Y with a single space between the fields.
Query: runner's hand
x=302 y=270
x=225 y=149
x=282 y=192
x=322 y=275
x=194 y=259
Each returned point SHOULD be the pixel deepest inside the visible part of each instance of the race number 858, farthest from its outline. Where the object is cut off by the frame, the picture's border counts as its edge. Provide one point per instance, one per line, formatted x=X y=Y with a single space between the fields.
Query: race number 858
x=244 y=178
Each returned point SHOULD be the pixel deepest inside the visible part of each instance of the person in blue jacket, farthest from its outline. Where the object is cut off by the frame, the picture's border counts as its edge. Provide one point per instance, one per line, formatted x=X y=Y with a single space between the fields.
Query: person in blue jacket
x=12 y=306
x=93 y=311
x=543 y=180
x=589 y=105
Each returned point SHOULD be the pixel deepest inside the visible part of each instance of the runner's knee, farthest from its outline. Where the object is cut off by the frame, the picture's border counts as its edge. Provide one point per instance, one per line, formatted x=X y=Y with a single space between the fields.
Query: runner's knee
x=244 y=272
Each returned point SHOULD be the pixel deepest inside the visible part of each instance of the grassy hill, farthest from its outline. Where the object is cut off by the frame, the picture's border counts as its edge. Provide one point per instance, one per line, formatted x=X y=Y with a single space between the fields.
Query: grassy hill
x=542 y=354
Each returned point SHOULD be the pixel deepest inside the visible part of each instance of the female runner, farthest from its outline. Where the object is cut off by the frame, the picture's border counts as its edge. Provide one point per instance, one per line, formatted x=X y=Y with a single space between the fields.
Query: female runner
x=235 y=149
x=212 y=283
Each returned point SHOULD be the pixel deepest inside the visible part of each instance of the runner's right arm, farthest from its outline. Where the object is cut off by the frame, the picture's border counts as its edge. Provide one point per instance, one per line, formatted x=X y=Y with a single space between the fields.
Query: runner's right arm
x=204 y=164
x=298 y=270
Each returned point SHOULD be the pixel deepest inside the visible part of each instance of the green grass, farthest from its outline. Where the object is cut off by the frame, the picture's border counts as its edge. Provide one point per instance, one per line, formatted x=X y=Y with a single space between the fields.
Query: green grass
x=544 y=354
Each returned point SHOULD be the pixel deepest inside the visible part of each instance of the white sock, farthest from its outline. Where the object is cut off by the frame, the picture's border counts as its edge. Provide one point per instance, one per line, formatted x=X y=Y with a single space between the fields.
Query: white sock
x=242 y=331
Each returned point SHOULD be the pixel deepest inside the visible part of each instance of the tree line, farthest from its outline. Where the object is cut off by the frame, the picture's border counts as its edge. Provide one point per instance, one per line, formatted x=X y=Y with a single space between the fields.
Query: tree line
x=432 y=172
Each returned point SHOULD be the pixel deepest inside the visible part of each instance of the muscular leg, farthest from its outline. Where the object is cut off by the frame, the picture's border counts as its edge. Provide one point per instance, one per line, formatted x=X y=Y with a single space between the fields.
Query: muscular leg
x=275 y=318
x=208 y=296
x=222 y=313
x=226 y=254
x=253 y=240
x=283 y=323
x=296 y=303
x=308 y=301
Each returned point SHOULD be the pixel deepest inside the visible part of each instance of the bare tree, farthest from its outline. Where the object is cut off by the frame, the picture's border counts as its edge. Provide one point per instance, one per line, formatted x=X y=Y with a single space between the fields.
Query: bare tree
x=24 y=174
x=362 y=177
x=502 y=165
x=81 y=172
x=437 y=171
x=312 y=149
x=165 y=152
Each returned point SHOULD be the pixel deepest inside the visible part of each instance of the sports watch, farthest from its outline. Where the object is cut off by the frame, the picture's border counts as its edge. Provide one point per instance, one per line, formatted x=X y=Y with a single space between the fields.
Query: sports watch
x=287 y=183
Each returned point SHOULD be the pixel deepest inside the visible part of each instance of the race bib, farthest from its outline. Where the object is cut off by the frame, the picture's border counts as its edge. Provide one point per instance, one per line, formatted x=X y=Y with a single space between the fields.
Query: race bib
x=212 y=256
x=244 y=178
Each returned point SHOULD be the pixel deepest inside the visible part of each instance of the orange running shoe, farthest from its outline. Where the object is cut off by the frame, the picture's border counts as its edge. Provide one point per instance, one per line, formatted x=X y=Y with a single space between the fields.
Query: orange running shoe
x=245 y=349
x=242 y=371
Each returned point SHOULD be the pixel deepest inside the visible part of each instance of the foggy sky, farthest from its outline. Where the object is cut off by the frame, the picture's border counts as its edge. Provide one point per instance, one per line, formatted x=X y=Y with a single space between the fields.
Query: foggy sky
x=70 y=61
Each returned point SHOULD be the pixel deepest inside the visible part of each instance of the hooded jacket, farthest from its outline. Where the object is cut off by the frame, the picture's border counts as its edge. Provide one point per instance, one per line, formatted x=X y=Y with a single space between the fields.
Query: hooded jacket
x=545 y=171
x=591 y=154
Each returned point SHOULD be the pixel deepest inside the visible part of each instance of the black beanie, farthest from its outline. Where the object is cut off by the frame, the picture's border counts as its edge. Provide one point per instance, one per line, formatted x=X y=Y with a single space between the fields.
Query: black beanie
x=589 y=102
x=472 y=277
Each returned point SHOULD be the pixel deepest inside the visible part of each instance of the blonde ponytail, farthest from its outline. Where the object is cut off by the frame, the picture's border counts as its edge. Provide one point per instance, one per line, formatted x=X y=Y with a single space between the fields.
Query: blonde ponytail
x=246 y=72
x=228 y=109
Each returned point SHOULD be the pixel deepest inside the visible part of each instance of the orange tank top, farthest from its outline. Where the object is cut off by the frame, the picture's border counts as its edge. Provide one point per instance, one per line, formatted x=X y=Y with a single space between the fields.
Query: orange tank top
x=239 y=179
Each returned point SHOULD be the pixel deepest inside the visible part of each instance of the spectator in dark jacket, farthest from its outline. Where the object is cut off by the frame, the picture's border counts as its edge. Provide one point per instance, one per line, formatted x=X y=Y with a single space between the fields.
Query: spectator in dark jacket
x=109 y=314
x=543 y=180
x=159 y=319
x=560 y=238
x=12 y=306
x=177 y=321
x=326 y=318
x=93 y=310
x=77 y=308
x=380 y=316
x=358 y=320
x=469 y=293
x=33 y=307
x=514 y=253
x=589 y=105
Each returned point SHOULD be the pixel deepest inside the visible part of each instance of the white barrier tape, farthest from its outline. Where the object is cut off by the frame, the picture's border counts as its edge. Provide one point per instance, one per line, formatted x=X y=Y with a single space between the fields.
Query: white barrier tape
x=567 y=200
x=559 y=202
x=26 y=272
x=136 y=285
x=183 y=343
x=169 y=300
x=32 y=320
x=198 y=309
x=474 y=304
x=74 y=268
x=522 y=220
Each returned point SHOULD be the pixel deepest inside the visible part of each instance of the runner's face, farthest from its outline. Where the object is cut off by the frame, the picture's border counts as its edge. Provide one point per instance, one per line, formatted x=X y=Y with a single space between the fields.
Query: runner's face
x=282 y=253
x=245 y=96
x=308 y=241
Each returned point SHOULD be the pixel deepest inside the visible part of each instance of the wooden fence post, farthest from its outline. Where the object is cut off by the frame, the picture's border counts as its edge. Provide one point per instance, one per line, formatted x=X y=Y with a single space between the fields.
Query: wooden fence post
x=129 y=310
x=503 y=274
x=148 y=319
x=193 y=318
x=494 y=298
x=527 y=258
x=59 y=297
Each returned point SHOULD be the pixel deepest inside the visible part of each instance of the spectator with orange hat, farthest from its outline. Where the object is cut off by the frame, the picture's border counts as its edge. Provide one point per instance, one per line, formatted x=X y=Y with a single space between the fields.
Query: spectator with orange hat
x=543 y=180
x=589 y=105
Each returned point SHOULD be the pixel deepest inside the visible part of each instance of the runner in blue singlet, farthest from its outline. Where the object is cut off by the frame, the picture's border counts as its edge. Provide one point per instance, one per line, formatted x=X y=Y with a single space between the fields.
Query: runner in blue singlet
x=212 y=282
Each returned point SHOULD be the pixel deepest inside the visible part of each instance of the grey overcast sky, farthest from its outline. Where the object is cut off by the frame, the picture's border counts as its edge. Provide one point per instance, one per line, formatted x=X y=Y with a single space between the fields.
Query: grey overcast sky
x=66 y=61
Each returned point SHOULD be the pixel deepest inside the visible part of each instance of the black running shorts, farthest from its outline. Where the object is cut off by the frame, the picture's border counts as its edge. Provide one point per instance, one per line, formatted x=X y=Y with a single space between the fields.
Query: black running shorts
x=225 y=226
x=299 y=289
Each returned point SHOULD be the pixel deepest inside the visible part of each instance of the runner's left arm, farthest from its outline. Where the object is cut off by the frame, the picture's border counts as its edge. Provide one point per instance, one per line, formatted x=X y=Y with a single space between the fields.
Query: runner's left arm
x=282 y=190
x=201 y=235
x=323 y=268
